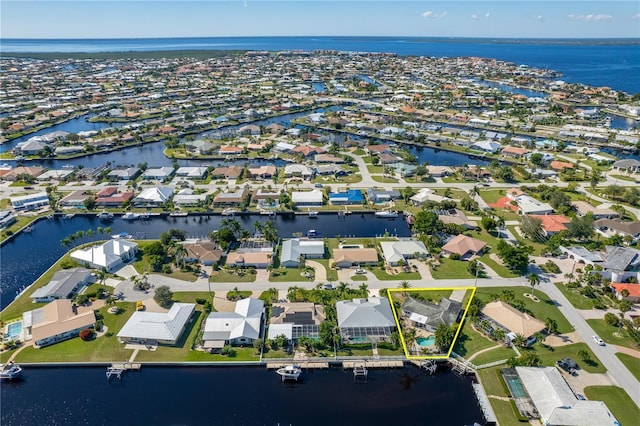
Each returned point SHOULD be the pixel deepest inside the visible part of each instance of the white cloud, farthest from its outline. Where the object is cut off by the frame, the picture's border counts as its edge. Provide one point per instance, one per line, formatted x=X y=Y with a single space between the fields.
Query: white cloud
x=474 y=17
x=589 y=18
x=433 y=15
x=486 y=16
x=539 y=18
x=636 y=16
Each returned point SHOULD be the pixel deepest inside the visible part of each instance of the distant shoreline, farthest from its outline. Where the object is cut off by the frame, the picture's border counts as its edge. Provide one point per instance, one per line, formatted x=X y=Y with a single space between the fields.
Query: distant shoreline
x=131 y=54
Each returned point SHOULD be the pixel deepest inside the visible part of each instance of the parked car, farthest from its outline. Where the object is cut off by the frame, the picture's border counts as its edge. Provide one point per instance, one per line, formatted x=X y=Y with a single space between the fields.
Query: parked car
x=598 y=340
x=328 y=286
x=360 y=271
x=568 y=365
x=317 y=185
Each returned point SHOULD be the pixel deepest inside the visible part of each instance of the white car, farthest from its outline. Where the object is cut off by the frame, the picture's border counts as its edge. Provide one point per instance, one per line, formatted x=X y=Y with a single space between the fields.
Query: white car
x=360 y=271
x=598 y=340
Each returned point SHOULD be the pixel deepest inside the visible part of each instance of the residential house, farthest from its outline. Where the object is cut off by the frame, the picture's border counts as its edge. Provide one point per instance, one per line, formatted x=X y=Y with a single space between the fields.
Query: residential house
x=249 y=129
x=231 y=172
x=582 y=208
x=527 y=205
x=630 y=231
x=295 y=320
x=63 y=285
x=307 y=150
x=262 y=172
x=231 y=198
x=258 y=260
x=205 y=252
x=556 y=403
x=365 y=319
x=456 y=217
x=188 y=197
x=620 y=263
x=295 y=249
x=349 y=257
x=581 y=255
x=229 y=150
x=376 y=196
x=266 y=197
x=160 y=173
x=192 y=172
x=298 y=170
x=512 y=320
x=464 y=246
x=307 y=198
x=157 y=328
x=350 y=196
x=328 y=158
x=424 y=196
x=128 y=173
x=439 y=171
x=329 y=169
x=55 y=322
x=429 y=315
x=153 y=197
x=560 y=165
x=18 y=172
x=110 y=197
x=552 y=223
x=628 y=165
x=378 y=149
x=631 y=294
x=74 y=200
x=395 y=252
x=199 y=146
x=30 y=201
x=241 y=327
x=487 y=146
x=109 y=255
x=513 y=152
x=7 y=218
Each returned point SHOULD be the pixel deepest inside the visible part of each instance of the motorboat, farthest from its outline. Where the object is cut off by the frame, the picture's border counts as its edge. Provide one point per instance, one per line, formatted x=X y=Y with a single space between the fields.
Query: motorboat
x=10 y=371
x=289 y=372
x=129 y=216
x=122 y=236
x=386 y=214
x=105 y=216
x=312 y=233
x=313 y=214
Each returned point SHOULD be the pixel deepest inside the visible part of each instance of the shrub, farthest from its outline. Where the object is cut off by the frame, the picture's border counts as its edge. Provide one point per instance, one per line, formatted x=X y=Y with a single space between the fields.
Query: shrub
x=86 y=334
x=611 y=319
x=228 y=350
x=454 y=256
x=200 y=300
x=99 y=325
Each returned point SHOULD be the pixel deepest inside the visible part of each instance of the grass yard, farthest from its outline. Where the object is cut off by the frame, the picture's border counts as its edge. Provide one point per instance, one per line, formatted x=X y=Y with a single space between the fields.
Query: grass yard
x=538 y=248
x=501 y=270
x=497 y=354
x=573 y=295
x=280 y=275
x=493 y=385
x=632 y=363
x=100 y=349
x=618 y=401
x=450 y=269
x=491 y=196
x=383 y=275
x=542 y=310
x=390 y=352
x=606 y=333
x=242 y=354
x=470 y=341
x=358 y=278
x=181 y=349
x=384 y=179
x=231 y=277
x=191 y=296
x=332 y=274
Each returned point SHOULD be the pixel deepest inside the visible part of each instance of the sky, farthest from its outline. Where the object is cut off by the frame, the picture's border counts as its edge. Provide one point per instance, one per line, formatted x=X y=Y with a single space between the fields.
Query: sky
x=209 y=18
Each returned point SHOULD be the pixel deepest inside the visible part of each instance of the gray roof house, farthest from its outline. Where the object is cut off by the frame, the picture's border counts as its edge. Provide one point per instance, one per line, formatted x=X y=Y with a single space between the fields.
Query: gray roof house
x=63 y=284
x=365 y=319
x=160 y=173
x=157 y=327
x=242 y=326
x=428 y=315
x=377 y=196
x=396 y=251
x=295 y=320
x=129 y=173
x=294 y=248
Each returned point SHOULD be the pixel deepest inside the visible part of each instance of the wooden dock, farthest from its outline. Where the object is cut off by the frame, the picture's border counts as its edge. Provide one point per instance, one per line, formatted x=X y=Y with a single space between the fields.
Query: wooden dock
x=311 y=365
x=348 y=365
x=126 y=366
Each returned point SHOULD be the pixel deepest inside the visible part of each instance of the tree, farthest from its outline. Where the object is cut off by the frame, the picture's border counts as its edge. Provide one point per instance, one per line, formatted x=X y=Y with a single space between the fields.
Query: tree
x=581 y=227
x=474 y=267
x=519 y=340
x=257 y=345
x=488 y=224
x=405 y=285
x=515 y=257
x=584 y=355
x=505 y=174
x=407 y=193
x=531 y=227
x=444 y=336
x=534 y=280
x=426 y=222
x=552 y=325
x=364 y=290
x=101 y=275
x=163 y=296
x=536 y=159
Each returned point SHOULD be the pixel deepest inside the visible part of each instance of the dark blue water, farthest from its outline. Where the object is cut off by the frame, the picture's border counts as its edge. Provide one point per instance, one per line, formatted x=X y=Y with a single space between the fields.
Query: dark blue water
x=237 y=396
x=436 y=157
x=612 y=63
x=46 y=236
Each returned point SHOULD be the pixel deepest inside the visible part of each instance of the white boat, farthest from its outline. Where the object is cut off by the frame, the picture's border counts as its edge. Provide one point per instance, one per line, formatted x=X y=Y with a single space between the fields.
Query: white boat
x=122 y=236
x=142 y=216
x=68 y=216
x=313 y=213
x=28 y=228
x=387 y=214
x=105 y=216
x=289 y=372
x=10 y=371
x=129 y=216
x=312 y=233
x=229 y=212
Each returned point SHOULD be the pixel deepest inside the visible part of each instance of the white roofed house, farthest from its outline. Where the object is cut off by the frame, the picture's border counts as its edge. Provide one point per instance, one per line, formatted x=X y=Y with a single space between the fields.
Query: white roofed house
x=63 y=285
x=192 y=172
x=160 y=173
x=30 y=201
x=240 y=327
x=294 y=249
x=307 y=198
x=109 y=255
x=128 y=173
x=188 y=197
x=363 y=320
x=298 y=170
x=487 y=146
x=154 y=328
x=153 y=197
x=396 y=251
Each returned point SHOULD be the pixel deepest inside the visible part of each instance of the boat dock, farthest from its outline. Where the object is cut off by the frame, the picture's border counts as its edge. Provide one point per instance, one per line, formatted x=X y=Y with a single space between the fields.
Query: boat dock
x=348 y=365
x=304 y=365
x=485 y=405
x=118 y=368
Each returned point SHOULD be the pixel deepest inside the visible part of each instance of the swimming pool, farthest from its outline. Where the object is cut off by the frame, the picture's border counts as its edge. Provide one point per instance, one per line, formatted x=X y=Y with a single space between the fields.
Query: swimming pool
x=14 y=330
x=515 y=385
x=426 y=341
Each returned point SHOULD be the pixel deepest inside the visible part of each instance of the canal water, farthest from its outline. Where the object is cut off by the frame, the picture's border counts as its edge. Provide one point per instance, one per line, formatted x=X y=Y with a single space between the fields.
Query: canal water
x=236 y=396
x=21 y=266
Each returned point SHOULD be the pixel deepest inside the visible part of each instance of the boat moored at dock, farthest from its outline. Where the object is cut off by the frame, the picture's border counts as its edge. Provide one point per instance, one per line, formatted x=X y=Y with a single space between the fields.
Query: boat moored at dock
x=386 y=214
x=289 y=372
x=105 y=216
x=10 y=371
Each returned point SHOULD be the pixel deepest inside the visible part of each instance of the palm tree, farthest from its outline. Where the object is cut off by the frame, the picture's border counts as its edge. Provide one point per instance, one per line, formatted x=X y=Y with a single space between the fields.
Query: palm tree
x=101 y=275
x=539 y=337
x=405 y=286
x=364 y=289
x=499 y=334
x=534 y=280
x=409 y=337
x=519 y=340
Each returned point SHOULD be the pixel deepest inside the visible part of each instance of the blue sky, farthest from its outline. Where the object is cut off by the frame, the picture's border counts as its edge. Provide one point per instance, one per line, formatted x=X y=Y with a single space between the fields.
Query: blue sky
x=452 y=18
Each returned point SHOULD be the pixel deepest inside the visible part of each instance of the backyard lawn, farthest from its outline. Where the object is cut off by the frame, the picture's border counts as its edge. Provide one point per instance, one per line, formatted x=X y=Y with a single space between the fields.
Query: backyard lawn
x=497 y=354
x=618 y=401
x=493 y=385
x=231 y=277
x=287 y=275
x=573 y=295
x=542 y=310
x=501 y=270
x=450 y=269
x=632 y=363
x=470 y=341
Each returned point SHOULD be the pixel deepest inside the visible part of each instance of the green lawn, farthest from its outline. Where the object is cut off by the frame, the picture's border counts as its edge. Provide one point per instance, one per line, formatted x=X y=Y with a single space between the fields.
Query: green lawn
x=332 y=274
x=450 y=269
x=606 y=333
x=542 y=310
x=493 y=355
x=492 y=195
x=242 y=354
x=618 y=401
x=100 y=349
x=632 y=363
x=231 y=277
x=383 y=275
x=287 y=275
x=549 y=356
x=501 y=270
x=385 y=179
x=573 y=295
x=358 y=278
x=493 y=385
x=191 y=296
x=389 y=352
x=538 y=248
x=470 y=341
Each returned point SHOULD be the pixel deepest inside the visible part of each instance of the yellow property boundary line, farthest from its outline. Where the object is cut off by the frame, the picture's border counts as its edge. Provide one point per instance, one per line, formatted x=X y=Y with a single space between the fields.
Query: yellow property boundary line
x=395 y=315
